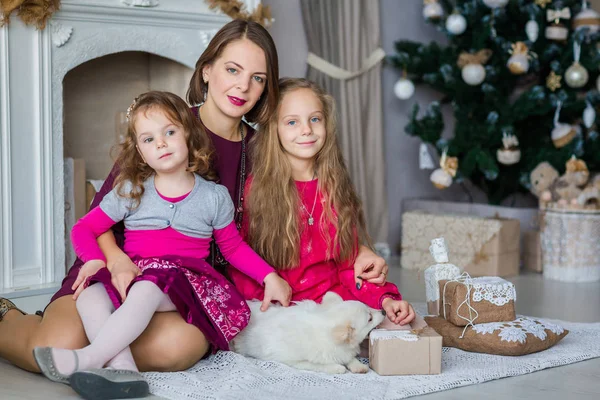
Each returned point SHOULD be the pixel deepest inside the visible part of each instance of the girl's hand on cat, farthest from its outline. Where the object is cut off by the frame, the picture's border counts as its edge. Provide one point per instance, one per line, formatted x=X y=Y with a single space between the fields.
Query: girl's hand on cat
x=277 y=289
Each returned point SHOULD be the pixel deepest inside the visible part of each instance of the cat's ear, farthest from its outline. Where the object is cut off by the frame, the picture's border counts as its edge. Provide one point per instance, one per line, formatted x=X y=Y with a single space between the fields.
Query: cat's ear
x=344 y=333
x=331 y=298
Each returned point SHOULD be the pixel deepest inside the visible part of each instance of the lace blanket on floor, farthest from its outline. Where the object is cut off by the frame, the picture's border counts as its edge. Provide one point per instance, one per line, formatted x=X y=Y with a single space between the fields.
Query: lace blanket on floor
x=227 y=375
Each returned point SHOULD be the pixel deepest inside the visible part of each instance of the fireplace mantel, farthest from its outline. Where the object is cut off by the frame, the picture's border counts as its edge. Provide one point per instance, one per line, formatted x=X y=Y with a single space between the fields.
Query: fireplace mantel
x=33 y=65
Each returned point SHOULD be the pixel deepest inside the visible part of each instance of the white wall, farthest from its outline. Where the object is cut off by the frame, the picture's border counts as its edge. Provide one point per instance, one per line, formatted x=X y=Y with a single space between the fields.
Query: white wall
x=288 y=33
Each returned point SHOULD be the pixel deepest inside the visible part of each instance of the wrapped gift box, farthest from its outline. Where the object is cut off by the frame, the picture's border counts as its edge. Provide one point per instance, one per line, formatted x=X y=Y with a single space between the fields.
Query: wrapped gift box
x=532 y=251
x=481 y=246
x=433 y=276
x=414 y=349
x=491 y=299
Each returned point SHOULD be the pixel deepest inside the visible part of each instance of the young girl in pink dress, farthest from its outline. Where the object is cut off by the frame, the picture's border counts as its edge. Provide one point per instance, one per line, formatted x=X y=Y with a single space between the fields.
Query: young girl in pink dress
x=303 y=214
x=171 y=207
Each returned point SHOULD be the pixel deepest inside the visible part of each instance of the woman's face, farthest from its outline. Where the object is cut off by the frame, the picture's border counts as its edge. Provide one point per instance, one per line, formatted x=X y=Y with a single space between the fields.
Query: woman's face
x=236 y=79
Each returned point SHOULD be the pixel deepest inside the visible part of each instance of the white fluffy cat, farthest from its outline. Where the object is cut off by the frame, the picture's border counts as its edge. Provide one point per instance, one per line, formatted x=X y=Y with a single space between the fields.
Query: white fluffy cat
x=322 y=337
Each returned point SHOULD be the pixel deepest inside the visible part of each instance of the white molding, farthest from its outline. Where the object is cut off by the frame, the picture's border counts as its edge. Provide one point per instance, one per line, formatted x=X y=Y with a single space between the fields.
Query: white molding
x=50 y=225
x=5 y=166
x=163 y=17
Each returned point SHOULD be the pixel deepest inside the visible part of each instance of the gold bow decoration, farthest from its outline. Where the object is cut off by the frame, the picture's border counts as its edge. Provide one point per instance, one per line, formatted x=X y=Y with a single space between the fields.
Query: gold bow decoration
x=555 y=15
x=519 y=48
x=576 y=165
x=449 y=164
x=481 y=57
x=425 y=2
x=31 y=12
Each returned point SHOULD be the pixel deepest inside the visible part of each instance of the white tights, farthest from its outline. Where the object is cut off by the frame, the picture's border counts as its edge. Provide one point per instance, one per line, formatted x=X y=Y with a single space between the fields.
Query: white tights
x=111 y=332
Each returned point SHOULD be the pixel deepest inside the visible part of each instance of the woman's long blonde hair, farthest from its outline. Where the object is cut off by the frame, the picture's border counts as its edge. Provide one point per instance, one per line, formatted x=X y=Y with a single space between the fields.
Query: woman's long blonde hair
x=131 y=165
x=273 y=201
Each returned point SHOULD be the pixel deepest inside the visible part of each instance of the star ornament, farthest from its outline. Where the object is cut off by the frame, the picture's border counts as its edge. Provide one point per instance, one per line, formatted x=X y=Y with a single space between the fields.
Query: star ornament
x=553 y=81
x=543 y=3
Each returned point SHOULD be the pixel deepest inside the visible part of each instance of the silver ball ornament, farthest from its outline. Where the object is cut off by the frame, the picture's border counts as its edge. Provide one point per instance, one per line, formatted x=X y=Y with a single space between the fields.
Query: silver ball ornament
x=576 y=76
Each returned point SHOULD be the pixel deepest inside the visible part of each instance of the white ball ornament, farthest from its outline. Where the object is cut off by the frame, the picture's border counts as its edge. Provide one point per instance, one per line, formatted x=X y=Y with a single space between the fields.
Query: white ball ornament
x=532 y=30
x=432 y=10
x=404 y=89
x=441 y=179
x=473 y=74
x=456 y=24
x=495 y=3
x=576 y=76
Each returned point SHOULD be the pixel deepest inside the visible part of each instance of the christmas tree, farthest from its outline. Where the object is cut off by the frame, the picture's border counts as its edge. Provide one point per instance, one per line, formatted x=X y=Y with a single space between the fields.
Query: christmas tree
x=522 y=79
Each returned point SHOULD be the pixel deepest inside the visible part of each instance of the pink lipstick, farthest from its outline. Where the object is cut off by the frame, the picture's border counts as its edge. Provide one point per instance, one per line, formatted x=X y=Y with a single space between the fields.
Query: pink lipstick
x=236 y=101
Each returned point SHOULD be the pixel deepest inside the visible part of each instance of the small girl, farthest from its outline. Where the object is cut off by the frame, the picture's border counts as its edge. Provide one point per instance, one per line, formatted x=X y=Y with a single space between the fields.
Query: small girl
x=312 y=235
x=170 y=207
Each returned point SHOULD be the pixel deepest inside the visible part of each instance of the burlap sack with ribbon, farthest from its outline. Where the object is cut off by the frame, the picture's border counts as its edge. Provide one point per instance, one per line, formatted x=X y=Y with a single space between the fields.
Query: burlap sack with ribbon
x=466 y=301
x=522 y=336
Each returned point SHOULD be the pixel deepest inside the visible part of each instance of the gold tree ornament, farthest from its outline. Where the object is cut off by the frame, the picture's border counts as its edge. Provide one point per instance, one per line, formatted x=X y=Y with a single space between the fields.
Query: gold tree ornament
x=237 y=10
x=518 y=63
x=442 y=177
x=553 y=81
x=543 y=3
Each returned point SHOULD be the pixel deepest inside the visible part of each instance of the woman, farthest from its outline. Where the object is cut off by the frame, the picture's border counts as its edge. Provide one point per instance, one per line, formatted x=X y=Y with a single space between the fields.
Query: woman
x=235 y=77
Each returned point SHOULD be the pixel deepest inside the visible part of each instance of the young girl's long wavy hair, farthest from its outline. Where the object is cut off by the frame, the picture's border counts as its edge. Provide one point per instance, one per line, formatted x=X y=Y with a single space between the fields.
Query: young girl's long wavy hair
x=131 y=165
x=273 y=201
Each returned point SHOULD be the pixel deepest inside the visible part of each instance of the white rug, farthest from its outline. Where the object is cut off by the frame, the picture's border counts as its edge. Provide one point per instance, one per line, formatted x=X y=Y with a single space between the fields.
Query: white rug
x=227 y=375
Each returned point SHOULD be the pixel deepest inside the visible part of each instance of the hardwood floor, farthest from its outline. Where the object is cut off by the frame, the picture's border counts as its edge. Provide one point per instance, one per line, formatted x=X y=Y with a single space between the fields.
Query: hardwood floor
x=535 y=296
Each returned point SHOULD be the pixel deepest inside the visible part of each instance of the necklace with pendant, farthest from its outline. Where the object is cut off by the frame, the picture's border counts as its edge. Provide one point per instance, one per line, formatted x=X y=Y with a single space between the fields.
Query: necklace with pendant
x=311 y=220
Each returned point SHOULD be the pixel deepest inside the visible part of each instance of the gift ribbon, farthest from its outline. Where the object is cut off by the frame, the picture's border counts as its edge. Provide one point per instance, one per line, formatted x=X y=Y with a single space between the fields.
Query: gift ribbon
x=466 y=280
x=481 y=57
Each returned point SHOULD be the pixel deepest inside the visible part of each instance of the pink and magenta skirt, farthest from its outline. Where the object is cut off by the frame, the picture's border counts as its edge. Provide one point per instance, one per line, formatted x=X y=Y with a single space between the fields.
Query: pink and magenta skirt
x=203 y=297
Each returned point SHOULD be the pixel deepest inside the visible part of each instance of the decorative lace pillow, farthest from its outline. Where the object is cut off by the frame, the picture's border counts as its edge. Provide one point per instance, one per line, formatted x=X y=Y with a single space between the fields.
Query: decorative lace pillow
x=491 y=299
x=515 y=338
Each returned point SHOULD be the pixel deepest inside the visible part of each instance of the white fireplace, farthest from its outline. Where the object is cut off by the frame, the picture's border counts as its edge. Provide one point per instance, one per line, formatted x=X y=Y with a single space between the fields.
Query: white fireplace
x=33 y=66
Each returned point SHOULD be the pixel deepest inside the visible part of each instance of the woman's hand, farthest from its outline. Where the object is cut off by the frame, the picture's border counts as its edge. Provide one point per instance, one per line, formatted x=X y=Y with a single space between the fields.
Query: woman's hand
x=122 y=271
x=399 y=312
x=88 y=269
x=276 y=288
x=369 y=267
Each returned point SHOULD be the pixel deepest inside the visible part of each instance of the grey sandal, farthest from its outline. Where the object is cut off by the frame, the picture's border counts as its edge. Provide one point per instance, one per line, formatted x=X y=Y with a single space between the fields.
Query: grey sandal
x=45 y=361
x=6 y=305
x=101 y=384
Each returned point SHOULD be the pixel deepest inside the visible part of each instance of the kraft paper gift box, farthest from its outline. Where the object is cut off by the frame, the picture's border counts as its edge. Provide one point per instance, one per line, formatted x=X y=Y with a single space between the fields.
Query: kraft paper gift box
x=532 y=251
x=481 y=246
x=414 y=349
x=491 y=299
